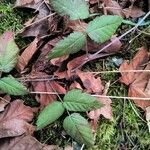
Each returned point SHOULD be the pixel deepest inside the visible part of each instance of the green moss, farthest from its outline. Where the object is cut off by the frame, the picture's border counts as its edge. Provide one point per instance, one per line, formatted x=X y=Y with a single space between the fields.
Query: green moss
x=9 y=18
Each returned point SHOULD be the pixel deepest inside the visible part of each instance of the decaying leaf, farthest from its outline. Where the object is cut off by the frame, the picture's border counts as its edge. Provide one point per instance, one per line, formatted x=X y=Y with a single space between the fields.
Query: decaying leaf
x=25 y=143
x=113 y=7
x=27 y=55
x=137 y=81
x=14 y=120
x=46 y=86
x=133 y=12
x=90 y=82
x=4 y=101
x=8 y=52
x=39 y=25
x=106 y=111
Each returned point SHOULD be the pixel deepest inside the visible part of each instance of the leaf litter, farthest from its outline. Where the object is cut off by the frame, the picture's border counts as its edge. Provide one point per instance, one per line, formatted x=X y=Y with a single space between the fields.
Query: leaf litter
x=50 y=78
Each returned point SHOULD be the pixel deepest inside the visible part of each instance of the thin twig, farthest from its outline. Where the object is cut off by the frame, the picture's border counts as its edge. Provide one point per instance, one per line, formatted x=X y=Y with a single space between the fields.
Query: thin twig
x=122 y=97
x=121 y=71
x=101 y=96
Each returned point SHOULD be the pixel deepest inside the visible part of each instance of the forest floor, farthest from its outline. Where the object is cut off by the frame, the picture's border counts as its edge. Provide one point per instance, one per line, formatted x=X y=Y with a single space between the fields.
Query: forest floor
x=128 y=129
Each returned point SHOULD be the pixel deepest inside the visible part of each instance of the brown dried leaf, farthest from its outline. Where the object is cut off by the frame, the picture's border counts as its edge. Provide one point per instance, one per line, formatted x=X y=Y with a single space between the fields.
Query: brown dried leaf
x=90 y=82
x=138 y=82
x=140 y=58
x=46 y=86
x=134 y=12
x=13 y=121
x=77 y=25
x=76 y=62
x=94 y=47
x=106 y=111
x=27 y=55
x=25 y=143
x=113 y=7
x=38 y=25
x=4 y=101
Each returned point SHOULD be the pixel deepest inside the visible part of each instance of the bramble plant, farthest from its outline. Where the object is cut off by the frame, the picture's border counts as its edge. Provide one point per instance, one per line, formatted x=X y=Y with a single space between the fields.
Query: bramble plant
x=75 y=125
x=8 y=59
x=99 y=29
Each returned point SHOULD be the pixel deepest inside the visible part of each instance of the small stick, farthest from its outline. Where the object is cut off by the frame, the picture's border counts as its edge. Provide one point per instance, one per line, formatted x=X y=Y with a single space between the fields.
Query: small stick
x=122 y=97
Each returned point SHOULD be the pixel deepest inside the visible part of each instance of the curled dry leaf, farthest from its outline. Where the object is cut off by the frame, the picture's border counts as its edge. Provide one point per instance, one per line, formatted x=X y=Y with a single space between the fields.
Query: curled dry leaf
x=14 y=120
x=39 y=25
x=42 y=62
x=25 y=143
x=27 y=55
x=46 y=86
x=90 y=82
x=106 y=111
x=138 y=81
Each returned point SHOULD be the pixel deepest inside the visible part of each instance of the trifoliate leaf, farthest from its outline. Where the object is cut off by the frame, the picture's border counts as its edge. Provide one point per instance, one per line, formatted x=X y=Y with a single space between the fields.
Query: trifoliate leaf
x=69 y=45
x=79 y=129
x=75 y=100
x=11 y=86
x=50 y=114
x=102 y=28
x=8 y=52
x=75 y=9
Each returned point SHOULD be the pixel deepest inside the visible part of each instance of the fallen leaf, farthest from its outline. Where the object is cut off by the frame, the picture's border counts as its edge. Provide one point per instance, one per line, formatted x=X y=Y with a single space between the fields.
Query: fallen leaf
x=94 y=47
x=4 y=101
x=14 y=120
x=90 y=82
x=77 y=25
x=42 y=63
x=137 y=81
x=113 y=7
x=106 y=111
x=46 y=86
x=27 y=55
x=25 y=143
x=134 y=12
x=140 y=58
x=76 y=62
x=39 y=25
x=75 y=85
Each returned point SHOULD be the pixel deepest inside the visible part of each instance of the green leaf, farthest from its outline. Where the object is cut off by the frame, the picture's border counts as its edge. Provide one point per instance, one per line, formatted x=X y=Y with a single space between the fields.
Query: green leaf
x=75 y=9
x=50 y=114
x=79 y=129
x=102 y=28
x=11 y=86
x=69 y=45
x=8 y=52
x=75 y=100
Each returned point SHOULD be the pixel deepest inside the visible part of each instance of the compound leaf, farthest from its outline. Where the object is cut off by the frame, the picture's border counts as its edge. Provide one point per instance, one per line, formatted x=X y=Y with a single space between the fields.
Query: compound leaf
x=79 y=129
x=75 y=100
x=11 y=86
x=50 y=114
x=75 y=9
x=69 y=45
x=102 y=28
x=8 y=52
